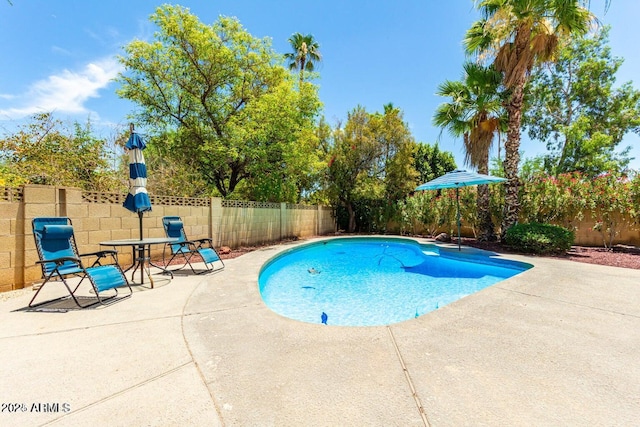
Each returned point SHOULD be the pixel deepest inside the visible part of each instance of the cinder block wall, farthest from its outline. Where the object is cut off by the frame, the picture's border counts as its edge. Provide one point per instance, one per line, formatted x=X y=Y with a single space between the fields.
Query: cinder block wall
x=12 y=239
x=99 y=217
x=627 y=233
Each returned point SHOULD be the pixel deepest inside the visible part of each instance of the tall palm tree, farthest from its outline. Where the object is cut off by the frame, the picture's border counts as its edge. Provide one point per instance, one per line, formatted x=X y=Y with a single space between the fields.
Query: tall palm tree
x=305 y=55
x=516 y=34
x=475 y=112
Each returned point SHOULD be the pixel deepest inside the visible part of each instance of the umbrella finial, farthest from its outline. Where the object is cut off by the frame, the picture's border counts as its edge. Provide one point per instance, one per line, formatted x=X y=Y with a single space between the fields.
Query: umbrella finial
x=131 y=127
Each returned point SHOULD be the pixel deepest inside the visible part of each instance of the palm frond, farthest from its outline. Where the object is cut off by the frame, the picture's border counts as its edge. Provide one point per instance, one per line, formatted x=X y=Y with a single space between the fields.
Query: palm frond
x=305 y=53
x=452 y=89
x=571 y=17
x=474 y=111
x=477 y=38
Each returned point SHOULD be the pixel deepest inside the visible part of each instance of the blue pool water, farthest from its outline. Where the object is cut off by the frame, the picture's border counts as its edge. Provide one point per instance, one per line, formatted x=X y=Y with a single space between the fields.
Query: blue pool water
x=373 y=281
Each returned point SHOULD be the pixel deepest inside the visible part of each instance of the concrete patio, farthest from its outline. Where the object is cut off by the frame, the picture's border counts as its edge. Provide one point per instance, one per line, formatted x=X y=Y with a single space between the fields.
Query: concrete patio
x=556 y=345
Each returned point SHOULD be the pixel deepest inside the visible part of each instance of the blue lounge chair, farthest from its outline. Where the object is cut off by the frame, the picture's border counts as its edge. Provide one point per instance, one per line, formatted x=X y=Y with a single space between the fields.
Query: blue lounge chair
x=59 y=259
x=186 y=249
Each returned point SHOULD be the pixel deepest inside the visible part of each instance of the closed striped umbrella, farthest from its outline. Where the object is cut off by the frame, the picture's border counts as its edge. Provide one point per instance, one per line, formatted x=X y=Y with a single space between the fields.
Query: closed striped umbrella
x=138 y=199
x=456 y=179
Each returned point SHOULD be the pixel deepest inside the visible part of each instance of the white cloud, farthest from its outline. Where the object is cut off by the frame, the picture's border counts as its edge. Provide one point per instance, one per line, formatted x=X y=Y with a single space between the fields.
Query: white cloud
x=66 y=92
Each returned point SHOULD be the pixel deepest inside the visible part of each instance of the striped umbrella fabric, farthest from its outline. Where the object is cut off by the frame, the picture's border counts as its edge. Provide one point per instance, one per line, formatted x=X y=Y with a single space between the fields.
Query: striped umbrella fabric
x=459 y=178
x=138 y=199
x=456 y=179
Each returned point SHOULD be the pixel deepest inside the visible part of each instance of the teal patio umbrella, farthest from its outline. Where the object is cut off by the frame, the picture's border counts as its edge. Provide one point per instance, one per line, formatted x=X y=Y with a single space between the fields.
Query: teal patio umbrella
x=456 y=179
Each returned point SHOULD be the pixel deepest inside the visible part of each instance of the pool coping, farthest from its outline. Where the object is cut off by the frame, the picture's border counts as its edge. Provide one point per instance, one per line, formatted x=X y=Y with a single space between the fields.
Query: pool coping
x=555 y=345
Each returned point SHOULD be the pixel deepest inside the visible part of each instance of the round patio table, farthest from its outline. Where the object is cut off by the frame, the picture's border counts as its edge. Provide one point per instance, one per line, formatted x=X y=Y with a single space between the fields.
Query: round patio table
x=141 y=249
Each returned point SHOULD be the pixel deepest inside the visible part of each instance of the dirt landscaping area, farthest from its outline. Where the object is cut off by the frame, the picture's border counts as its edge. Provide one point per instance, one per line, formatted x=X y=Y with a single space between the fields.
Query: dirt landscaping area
x=618 y=256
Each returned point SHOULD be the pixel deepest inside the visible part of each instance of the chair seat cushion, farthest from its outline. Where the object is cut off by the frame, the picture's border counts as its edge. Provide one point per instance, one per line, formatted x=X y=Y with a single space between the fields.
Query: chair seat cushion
x=106 y=277
x=208 y=255
x=69 y=268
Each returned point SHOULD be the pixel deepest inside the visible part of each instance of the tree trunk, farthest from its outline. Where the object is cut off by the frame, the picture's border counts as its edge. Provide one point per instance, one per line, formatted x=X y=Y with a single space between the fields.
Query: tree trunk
x=512 y=159
x=302 y=65
x=512 y=145
x=352 y=218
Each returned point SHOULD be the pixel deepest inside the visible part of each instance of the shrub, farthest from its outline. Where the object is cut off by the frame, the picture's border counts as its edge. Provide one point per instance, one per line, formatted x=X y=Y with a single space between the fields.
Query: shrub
x=538 y=238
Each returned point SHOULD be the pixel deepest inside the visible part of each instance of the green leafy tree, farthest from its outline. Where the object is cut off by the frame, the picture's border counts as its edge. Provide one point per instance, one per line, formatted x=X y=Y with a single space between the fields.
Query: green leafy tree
x=430 y=162
x=282 y=129
x=397 y=174
x=171 y=170
x=573 y=107
x=306 y=54
x=352 y=157
x=396 y=163
x=370 y=160
x=474 y=112
x=45 y=151
x=514 y=35
x=318 y=189
x=229 y=104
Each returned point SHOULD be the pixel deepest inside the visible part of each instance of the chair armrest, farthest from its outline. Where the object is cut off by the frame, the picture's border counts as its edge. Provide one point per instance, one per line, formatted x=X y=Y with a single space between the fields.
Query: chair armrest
x=100 y=254
x=183 y=243
x=205 y=240
x=203 y=243
x=60 y=261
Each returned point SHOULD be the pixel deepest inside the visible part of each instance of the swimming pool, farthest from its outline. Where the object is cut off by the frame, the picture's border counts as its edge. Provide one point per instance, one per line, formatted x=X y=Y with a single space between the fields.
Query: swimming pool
x=373 y=281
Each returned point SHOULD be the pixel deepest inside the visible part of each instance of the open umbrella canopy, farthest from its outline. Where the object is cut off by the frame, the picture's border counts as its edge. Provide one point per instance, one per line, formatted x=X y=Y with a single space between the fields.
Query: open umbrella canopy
x=459 y=178
x=456 y=179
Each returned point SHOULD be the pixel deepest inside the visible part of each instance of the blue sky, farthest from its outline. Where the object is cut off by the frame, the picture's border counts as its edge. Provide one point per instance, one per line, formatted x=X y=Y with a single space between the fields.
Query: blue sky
x=60 y=55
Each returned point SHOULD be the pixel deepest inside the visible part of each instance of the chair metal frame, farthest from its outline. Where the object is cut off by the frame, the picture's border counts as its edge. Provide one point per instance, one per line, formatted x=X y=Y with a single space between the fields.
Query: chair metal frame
x=70 y=264
x=187 y=248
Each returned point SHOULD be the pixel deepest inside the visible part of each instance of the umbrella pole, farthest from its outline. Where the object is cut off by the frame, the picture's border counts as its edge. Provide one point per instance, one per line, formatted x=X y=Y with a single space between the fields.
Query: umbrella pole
x=458 y=206
x=141 y=251
x=140 y=218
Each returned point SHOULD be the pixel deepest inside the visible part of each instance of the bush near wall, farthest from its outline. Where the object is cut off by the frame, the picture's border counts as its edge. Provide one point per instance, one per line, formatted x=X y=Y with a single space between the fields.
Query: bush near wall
x=607 y=204
x=535 y=238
